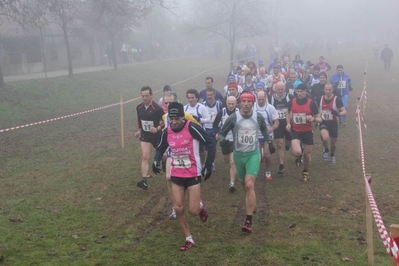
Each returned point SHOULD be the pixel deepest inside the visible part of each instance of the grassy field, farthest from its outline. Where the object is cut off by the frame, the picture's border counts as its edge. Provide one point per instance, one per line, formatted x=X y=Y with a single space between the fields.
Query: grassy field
x=68 y=192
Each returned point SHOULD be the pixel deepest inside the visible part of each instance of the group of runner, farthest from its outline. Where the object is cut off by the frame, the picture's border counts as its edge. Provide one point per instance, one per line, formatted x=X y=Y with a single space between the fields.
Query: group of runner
x=259 y=109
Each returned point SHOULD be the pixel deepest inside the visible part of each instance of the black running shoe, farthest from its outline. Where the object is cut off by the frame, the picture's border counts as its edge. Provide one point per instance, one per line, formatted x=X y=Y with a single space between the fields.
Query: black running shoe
x=142 y=184
x=281 y=170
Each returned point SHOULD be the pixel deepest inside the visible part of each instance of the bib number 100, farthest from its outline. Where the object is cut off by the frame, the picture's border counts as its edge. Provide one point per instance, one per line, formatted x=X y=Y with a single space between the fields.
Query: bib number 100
x=247 y=139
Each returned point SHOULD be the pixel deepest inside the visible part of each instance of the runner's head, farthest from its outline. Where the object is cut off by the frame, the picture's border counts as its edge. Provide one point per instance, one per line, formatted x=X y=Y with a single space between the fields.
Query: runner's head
x=261 y=98
x=211 y=95
x=247 y=100
x=321 y=59
x=176 y=114
x=209 y=82
x=231 y=103
x=248 y=77
x=340 y=70
x=280 y=89
x=301 y=91
x=316 y=70
x=260 y=86
x=233 y=90
x=166 y=88
x=328 y=90
x=232 y=79
x=192 y=97
x=323 y=78
x=262 y=71
x=146 y=95
x=170 y=97
x=276 y=70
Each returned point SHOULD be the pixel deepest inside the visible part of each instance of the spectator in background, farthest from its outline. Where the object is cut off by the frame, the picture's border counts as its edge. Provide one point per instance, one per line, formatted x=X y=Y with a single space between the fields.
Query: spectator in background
x=386 y=56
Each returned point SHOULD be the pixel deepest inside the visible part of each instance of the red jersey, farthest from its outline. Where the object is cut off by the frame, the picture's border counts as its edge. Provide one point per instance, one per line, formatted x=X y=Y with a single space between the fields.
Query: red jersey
x=299 y=113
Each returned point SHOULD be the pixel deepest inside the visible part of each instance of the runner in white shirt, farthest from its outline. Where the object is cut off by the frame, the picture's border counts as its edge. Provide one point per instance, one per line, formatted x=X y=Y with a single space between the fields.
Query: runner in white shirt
x=200 y=113
x=270 y=115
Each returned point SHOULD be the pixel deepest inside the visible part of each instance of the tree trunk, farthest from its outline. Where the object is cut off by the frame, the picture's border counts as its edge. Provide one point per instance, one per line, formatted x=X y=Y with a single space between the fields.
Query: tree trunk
x=2 y=84
x=113 y=54
x=68 y=48
x=232 y=49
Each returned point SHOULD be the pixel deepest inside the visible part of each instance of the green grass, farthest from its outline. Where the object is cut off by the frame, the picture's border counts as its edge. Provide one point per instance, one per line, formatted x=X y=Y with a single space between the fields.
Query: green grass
x=68 y=190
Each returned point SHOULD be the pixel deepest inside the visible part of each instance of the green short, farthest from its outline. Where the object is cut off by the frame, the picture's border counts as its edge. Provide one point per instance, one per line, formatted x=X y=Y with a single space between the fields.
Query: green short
x=247 y=163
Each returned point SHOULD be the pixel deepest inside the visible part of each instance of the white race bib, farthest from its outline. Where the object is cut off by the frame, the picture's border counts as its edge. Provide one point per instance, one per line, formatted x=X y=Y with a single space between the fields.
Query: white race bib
x=291 y=91
x=224 y=118
x=299 y=118
x=327 y=115
x=181 y=161
x=342 y=84
x=213 y=116
x=282 y=114
x=246 y=137
x=147 y=125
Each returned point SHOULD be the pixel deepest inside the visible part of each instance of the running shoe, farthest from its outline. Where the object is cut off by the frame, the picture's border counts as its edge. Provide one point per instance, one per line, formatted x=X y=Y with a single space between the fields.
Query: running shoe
x=305 y=176
x=298 y=161
x=232 y=189
x=213 y=167
x=344 y=123
x=204 y=213
x=187 y=246
x=325 y=156
x=172 y=216
x=333 y=159
x=247 y=227
x=142 y=184
x=281 y=169
x=268 y=176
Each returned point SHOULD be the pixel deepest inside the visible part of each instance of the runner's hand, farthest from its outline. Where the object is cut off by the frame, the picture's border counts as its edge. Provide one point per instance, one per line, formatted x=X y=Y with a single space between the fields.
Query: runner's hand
x=197 y=118
x=334 y=112
x=155 y=167
x=206 y=172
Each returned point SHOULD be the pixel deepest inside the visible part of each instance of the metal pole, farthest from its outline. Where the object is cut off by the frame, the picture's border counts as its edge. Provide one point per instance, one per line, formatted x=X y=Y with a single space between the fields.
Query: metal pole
x=43 y=56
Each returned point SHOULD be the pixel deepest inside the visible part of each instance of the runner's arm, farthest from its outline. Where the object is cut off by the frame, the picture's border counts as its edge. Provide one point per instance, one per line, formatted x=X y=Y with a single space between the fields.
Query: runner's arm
x=199 y=133
x=262 y=126
x=216 y=122
x=162 y=146
x=227 y=126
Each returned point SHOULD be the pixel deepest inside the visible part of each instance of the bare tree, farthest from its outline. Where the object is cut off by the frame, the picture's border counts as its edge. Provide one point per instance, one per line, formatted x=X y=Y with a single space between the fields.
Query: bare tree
x=231 y=19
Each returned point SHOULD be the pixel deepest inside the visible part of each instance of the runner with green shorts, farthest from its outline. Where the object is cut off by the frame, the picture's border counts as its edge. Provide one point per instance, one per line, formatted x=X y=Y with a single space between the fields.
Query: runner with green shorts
x=245 y=125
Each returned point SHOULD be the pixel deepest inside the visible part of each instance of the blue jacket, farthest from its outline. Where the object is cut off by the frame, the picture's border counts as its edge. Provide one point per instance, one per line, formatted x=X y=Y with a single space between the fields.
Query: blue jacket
x=335 y=81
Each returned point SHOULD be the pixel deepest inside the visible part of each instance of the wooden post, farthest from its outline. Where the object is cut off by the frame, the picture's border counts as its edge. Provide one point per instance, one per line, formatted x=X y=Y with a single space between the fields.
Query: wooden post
x=122 y=124
x=394 y=234
x=369 y=228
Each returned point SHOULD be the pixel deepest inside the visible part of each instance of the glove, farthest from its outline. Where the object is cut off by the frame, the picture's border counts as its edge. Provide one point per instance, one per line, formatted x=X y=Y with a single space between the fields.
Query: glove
x=155 y=167
x=206 y=172
x=334 y=112
x=350 y=88
x=272 y=149
x=197 y=118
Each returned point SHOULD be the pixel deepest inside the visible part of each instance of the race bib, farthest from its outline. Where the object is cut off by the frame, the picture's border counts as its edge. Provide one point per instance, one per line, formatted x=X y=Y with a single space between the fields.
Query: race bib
x=299 y=118
x=327 y=115
x=342 y=84
x=181 y=161
x=282 y=114
x=291 y=91
x=213 y=116
x=147 y=125
x=246 y=137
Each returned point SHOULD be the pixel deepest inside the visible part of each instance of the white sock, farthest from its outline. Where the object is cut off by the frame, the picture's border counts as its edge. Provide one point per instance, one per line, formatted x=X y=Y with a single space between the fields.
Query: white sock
x=201 y=205
x=189 y=238
x=232 y=183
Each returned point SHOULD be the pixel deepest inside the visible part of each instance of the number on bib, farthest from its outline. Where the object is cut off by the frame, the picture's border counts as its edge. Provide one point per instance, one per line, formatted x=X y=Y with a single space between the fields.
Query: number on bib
x=299 y=118
x=246 y=137
x=342 y=84
x=213 y=116
x=181 y=161
x=282 y=114
x=147 y=125
x=327 y=115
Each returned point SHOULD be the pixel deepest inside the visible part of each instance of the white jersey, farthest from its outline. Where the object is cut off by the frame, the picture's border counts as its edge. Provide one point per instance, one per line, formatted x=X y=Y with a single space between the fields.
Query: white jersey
x=199 y=111
x=229 y=135
x=213 y=111
x=269 y=113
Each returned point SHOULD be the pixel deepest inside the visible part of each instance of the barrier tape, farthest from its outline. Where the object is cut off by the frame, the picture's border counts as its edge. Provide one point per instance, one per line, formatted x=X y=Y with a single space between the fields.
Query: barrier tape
x=388 y=242
x=107 y=106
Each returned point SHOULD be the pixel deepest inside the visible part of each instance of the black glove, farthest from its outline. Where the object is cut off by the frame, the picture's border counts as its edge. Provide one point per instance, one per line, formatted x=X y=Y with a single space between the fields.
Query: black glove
x=155 y=167
x=334 y=112
x=272 y=149
x=350 y=88
x=206 y=172
x=197 y=118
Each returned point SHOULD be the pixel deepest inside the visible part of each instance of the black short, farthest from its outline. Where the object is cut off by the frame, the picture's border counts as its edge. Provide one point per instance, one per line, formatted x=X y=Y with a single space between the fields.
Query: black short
x=228 y=148
x=331 y=127
x=185 y=182
x=281 y=131
x=305 y=137
x=152 y=138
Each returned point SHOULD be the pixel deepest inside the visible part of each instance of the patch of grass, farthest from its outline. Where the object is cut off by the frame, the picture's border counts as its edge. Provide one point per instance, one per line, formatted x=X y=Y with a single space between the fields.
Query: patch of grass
x=69 y=195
